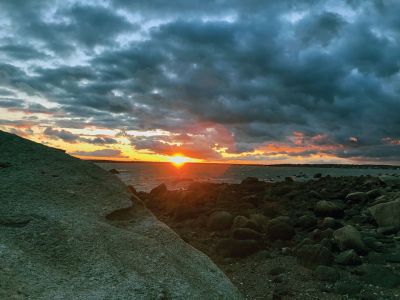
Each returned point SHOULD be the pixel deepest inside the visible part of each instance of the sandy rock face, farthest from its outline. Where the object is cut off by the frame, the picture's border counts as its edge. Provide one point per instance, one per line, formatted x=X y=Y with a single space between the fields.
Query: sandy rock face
x=69 y=230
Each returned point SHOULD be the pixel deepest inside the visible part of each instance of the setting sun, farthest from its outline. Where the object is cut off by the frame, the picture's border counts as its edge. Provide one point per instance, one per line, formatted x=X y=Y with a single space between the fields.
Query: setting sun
x=179 y=160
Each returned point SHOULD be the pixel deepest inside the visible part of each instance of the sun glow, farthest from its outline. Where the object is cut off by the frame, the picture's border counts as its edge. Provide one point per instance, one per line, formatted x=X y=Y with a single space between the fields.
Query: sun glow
x=178 y=160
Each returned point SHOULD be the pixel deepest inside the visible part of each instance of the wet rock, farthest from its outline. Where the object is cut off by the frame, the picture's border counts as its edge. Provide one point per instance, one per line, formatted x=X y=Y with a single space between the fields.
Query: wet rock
x=246 y=234
x=311 y=256
x=237 y=248
x=358 y=197
x=325 y=208
x=279 y=230
x=220 y=220
x=159 y=190
x=327 y=274
x=317 y=175
x=348 y=238
x=348 y=258
x=387 y=214
x=307 y=221
x=114 y=171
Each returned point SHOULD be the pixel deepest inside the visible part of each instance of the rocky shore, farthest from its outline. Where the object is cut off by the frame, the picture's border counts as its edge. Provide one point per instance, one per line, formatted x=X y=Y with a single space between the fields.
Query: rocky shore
x=326 y=238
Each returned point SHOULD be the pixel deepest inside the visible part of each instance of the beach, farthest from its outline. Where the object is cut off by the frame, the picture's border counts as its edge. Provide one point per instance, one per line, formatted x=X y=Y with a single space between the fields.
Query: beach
x=324 y=238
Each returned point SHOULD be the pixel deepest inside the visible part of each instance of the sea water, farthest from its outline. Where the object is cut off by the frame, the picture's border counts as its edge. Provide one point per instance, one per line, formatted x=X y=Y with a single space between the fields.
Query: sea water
x=145 y=176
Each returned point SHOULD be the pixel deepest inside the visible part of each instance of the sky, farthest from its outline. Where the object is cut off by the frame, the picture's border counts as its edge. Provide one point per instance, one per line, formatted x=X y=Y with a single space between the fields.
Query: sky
x=295 y=81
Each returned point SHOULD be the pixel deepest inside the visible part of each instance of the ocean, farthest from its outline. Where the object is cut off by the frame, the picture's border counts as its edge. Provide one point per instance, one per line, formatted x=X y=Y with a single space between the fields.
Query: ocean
x=145 y=176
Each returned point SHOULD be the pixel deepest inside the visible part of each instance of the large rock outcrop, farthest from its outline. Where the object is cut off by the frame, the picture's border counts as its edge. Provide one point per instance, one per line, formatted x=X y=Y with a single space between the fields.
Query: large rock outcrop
x=69 y=230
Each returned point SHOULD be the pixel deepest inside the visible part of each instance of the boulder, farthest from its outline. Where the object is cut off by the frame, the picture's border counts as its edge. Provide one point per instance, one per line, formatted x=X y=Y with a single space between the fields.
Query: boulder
x=329 y=222
x=349 y=237
x=158 y=190
x=386 y=214
x=250 y=181
x=348 y=258
x=373 y=194
x=279 y=230
x=312 y=256
x=237 y=248
x=307 y=222
x=325 y=208
x=71 y=230
x=246 y=234
x=114 y=171
x=357 y=197
x=220 y=220
x=243 y=222
x=389 y=180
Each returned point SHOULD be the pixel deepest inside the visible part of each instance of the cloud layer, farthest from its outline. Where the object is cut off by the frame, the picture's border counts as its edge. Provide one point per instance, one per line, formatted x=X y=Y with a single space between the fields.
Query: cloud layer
x=246 y=80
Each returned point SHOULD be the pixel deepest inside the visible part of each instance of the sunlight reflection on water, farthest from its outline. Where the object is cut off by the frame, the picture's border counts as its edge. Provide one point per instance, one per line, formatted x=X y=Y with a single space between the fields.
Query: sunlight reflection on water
x=145 y=176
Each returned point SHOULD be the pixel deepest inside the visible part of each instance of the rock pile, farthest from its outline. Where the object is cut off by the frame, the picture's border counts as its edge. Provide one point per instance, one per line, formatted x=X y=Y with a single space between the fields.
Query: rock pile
x=338 y=228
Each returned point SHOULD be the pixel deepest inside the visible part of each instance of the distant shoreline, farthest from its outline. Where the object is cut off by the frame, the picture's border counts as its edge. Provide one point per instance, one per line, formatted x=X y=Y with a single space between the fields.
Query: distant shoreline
x=344 y=166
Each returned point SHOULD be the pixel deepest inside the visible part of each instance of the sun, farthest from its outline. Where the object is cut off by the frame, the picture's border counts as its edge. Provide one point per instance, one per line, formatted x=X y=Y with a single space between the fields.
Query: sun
x=178 y=160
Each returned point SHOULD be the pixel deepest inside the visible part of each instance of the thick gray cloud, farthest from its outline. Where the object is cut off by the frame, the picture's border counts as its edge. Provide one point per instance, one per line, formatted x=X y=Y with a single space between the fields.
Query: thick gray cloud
x=262 y=70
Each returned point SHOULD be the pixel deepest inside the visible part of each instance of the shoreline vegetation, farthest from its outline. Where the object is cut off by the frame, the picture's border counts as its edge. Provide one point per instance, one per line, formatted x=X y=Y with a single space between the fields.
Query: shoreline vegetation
x=345 y=166
x=325 y=238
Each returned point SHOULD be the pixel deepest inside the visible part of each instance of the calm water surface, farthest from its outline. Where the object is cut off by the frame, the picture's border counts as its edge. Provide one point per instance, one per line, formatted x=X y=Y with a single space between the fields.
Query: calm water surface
x=145 y=176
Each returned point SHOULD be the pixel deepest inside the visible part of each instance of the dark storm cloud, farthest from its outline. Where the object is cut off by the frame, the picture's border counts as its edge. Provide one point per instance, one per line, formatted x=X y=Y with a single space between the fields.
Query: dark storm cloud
x=101 y=153
x=260 y=70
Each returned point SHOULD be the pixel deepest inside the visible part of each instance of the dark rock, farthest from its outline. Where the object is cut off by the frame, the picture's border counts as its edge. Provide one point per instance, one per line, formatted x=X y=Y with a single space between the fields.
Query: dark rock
x=388 y=230
x=307 y=221
x=330 y=222
x=349 y=237
x=348 y=258
x=373 y=244
x=114 y=171
x=311 y=256
x=237 y=248
x=327 y=243
x=243 y=222
x=279 y=230
x=289 y=179
x=325 y=273
x=373 y=194
x=250 y=180
x=220 y=220
x=317 y=175
x=325 y=208
x=246 y=234
x=273 y=209
x=358 y=197
x=277 y=271
x=260 y=221
x=159 y=190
